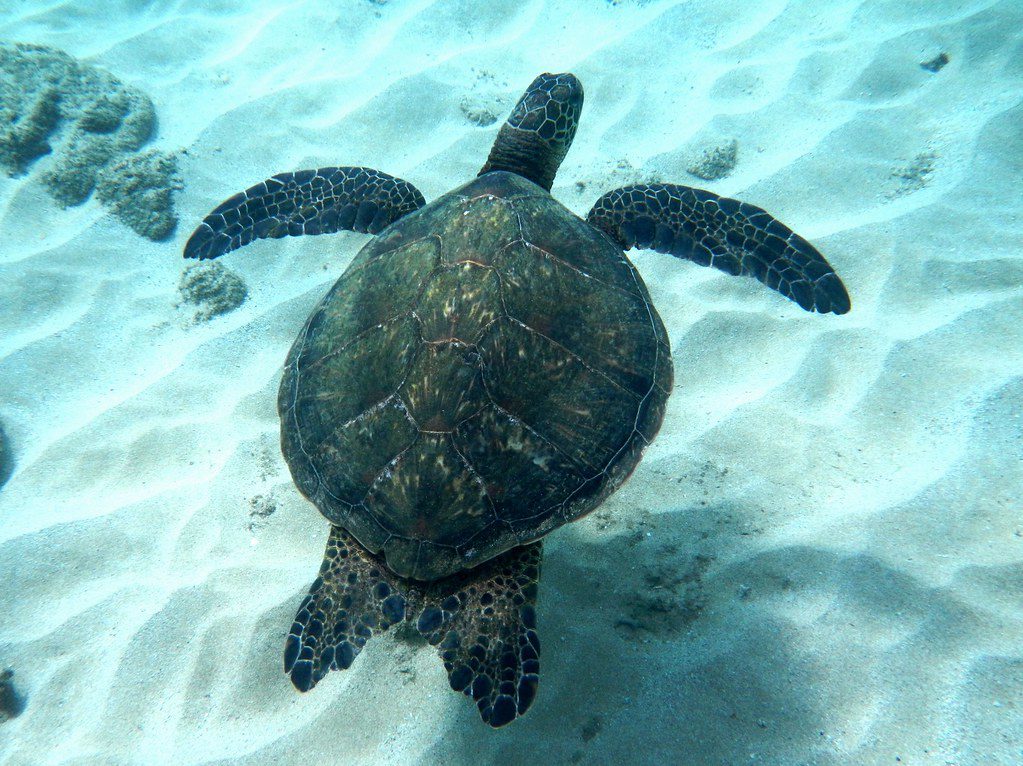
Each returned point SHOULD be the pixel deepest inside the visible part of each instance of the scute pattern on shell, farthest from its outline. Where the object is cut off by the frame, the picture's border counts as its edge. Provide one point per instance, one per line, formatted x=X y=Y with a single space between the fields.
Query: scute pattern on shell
x=486 y=370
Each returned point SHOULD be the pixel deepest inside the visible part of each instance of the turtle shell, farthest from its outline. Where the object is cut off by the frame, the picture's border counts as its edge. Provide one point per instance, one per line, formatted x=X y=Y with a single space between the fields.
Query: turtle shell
x=487 y=369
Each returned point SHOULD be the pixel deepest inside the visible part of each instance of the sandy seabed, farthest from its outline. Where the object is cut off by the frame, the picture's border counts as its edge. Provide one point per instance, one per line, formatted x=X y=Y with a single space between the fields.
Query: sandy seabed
x=820 y=559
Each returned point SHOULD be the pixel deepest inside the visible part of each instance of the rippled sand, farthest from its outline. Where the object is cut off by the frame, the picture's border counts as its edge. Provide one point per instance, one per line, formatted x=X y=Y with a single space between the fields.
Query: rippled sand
x=820 y=560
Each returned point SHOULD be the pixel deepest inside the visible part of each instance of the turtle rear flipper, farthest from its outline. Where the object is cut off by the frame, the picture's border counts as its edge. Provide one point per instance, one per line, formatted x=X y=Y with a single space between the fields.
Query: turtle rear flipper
x=483 y=623
x=733 y=236
x=353 y=598
x=320 y=201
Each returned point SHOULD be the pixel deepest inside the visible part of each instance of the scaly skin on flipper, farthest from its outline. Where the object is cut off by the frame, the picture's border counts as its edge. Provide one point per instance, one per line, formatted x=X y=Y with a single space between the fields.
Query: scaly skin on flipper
x=483 y=622
x=348 y=603
x=733 y=236
x=319 y=201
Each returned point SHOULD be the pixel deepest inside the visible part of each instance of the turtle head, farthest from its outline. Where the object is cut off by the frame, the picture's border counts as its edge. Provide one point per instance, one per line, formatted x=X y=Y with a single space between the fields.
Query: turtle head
x=536 y=137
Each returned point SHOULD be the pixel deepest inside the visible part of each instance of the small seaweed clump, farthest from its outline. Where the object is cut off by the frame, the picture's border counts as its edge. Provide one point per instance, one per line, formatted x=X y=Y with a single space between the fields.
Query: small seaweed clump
x=486 y=102
x=618 y=173
x=914 y=175
x=213 y=289
x=6 y=457
x=88 y=121
x=12 y=704
x=715 y=162
x=670 y=598
x=936 y=64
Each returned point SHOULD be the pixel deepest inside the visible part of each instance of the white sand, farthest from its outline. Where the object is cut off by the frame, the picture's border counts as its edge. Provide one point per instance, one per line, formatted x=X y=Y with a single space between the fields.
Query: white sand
x=820 y=560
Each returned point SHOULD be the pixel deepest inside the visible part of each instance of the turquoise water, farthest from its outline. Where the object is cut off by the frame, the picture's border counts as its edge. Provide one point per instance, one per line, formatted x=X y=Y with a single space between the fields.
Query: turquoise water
x=818 y=559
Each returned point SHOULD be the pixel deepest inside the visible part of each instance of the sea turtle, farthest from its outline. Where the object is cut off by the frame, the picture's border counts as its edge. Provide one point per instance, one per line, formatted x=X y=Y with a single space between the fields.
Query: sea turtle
x=488 y=368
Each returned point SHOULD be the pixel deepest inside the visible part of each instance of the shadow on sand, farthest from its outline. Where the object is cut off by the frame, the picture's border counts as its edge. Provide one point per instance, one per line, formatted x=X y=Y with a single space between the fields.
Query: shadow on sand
x=676 y=638
x=657 y=650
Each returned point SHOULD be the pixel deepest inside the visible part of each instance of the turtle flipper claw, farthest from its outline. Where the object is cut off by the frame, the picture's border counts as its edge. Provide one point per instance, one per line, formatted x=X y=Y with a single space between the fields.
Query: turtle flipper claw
x=319 y=201
x=733 y=236
x=353 y=599
x=483 y=623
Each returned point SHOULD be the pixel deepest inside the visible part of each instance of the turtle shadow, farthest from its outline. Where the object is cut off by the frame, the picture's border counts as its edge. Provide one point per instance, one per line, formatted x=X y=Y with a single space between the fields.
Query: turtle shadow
x=640 y=633
x=712 y=664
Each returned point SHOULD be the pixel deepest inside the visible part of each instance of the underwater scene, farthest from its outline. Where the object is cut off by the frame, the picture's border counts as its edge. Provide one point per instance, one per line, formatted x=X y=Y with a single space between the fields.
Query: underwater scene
x=515 y=382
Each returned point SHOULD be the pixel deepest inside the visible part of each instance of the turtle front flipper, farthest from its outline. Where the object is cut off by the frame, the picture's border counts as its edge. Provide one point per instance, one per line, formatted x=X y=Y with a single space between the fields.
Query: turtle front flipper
x=483 y=623
x=353 y=598
x=733 y=236
x=319 y=201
